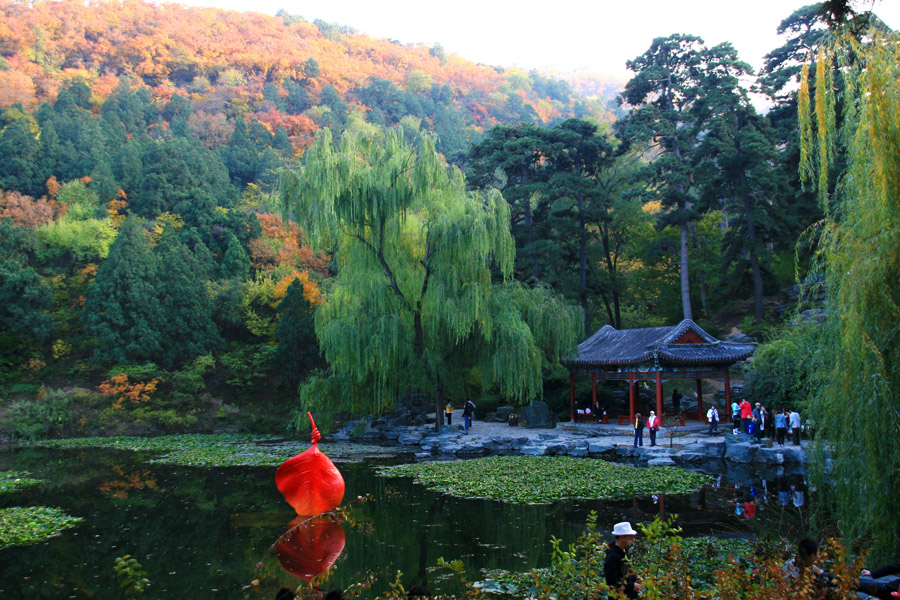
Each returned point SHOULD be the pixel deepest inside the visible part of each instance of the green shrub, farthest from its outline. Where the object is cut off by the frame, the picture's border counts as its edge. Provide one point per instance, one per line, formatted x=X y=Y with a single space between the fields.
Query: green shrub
x=32 y=419
x=780 y=371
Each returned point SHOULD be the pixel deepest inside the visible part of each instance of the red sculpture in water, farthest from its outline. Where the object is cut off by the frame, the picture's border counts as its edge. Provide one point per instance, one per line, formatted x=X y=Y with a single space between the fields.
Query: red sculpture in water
x=310 y=482
x=310 y=546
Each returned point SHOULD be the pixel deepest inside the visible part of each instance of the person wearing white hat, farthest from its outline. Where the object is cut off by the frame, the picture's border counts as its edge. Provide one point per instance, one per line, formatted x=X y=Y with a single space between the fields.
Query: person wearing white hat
x=616 y=568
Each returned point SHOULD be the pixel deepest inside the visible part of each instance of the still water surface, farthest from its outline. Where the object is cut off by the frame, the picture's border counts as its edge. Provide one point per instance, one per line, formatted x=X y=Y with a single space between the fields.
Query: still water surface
x=201 y=532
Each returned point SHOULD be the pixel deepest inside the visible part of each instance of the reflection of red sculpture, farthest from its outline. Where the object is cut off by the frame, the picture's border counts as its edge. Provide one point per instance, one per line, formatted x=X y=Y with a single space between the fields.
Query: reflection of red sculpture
x=311 y=549
x=310 y=482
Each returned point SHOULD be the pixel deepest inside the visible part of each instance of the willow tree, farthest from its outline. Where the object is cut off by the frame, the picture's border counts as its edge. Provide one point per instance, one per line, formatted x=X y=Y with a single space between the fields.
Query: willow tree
x=423 y=289
x=856 y=400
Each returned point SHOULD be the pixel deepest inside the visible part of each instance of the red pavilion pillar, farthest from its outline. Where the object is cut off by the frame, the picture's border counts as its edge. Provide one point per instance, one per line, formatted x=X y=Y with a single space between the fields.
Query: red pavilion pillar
x=594 y=395
x=631 y=394
x=659 y=404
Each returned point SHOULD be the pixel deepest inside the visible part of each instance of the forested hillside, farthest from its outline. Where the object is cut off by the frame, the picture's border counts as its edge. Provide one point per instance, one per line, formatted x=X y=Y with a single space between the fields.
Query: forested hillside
x=148 y=279
x=284 y=72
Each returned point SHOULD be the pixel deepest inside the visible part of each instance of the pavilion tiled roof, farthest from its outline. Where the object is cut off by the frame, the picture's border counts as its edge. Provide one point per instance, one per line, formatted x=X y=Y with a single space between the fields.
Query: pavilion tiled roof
x=685 y=344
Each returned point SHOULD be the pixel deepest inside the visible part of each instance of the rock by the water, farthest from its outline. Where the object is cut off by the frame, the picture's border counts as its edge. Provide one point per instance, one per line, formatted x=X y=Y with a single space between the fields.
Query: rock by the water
x=537 y=415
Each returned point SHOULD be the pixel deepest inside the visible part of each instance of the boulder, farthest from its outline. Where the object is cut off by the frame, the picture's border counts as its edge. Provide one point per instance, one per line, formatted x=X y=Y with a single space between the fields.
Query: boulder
x=410 y=439
x=450 y=447
x=501 y=415
x=741 y=452
x=690 y=457
x=793 y=454
x=471 y=449
x=537 y=415
x=661 y=461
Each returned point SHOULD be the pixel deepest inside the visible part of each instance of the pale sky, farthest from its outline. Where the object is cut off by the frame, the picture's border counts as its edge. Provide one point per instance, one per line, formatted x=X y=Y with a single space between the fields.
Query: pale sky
x=597 y=36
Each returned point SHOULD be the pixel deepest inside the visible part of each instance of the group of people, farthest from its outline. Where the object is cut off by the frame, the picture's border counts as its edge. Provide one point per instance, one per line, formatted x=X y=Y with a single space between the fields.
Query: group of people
x=652 y=424
x=618 y=575
x=468 y=414
x=756 y=421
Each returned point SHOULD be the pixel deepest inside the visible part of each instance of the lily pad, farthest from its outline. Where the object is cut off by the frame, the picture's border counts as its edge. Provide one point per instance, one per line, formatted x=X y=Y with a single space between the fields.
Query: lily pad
x=543 y=480
x=12 y=481
x=220 y=450
x=23 y=526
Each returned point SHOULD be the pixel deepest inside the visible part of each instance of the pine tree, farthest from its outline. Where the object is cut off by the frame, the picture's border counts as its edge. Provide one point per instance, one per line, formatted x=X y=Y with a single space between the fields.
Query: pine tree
x=298 y=349
x=121 y=309
x=235 y=263
x=186 y=327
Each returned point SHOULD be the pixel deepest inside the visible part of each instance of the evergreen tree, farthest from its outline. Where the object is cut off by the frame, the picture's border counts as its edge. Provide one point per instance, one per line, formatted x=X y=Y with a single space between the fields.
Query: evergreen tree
x=298 y=350
x=121 y=309
x=663 y=91
x=186 y=328
x=235 y=262
x=19 y=167
x=738 y=163
x=24 y=298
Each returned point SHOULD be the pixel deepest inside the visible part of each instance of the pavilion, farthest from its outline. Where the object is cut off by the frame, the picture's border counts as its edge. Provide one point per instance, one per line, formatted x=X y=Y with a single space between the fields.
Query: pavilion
x=683 y=351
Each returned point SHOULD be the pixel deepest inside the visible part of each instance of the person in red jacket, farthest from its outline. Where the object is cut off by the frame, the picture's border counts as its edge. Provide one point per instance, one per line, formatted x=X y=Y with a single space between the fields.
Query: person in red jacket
x=746 y=415
x=653 y=426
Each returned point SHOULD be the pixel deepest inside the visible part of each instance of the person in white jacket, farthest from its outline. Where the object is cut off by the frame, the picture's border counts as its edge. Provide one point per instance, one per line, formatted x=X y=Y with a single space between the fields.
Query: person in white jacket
x=712 y=415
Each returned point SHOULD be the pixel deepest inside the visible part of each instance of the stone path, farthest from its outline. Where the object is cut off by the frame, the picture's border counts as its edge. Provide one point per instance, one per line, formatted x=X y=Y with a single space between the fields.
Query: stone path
x=687 y=444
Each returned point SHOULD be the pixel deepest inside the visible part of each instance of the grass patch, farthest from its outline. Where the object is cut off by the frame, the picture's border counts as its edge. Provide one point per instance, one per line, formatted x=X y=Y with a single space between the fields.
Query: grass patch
x=546 y=479
x=23 y=526
x=219 y=450
x=12 y=481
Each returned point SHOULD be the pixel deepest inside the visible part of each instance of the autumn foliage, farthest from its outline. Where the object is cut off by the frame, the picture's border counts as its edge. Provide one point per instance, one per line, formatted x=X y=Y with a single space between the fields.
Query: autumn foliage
x=134 y=392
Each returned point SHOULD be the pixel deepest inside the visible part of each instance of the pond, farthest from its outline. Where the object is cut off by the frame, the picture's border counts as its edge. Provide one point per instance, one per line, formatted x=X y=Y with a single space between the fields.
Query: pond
x=201 y=532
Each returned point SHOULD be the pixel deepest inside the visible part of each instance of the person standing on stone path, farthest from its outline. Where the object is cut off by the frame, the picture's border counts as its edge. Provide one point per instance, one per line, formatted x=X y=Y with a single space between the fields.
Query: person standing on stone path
x=653 y=427
x=746 y=415
x=448 y=412
x=638 y=430
x=468 y=413
x=735 y=416
x=712 y=415
x=780 y=426
x=794 y=424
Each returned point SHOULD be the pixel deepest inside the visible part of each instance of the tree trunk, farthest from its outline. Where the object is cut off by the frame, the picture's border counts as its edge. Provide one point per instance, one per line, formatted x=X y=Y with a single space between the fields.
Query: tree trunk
x=582 y=266
x=685 y=275
x=754 y=261
x=701 y=269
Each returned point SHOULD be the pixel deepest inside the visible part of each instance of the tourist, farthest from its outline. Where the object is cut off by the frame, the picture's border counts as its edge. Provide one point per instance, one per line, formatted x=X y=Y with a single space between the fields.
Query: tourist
x=448 y=412
x=638 y=430
x=653 y=427
x=759 y=421
x=676 y=401
x=780 y=426
x=746 y=415
x=885 y=590
x=468 y=413
x=766 y=422
x=735 y=416
x=712 y=415
x=794 y=424
x=806 y=559
x=616 y=567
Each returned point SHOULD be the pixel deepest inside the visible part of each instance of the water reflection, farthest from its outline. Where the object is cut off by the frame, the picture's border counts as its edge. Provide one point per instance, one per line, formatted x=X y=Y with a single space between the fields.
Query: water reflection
x=201 y=532
x=310 y=546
